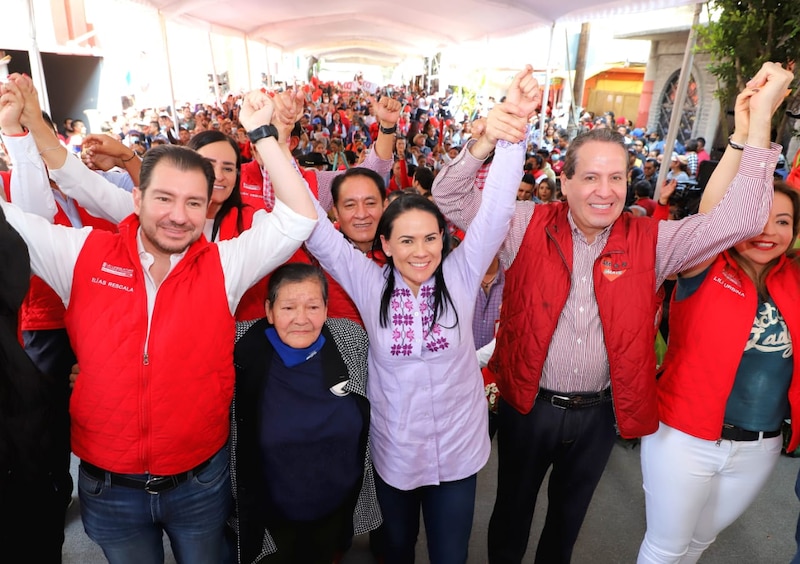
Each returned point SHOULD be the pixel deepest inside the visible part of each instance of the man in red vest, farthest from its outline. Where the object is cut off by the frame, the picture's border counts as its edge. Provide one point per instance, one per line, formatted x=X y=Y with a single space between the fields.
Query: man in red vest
x=580 y=313
x=150 y=316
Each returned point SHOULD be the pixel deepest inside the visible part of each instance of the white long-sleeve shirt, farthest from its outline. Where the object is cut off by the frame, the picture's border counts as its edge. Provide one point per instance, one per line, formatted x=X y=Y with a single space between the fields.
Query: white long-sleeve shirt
x=272 y=239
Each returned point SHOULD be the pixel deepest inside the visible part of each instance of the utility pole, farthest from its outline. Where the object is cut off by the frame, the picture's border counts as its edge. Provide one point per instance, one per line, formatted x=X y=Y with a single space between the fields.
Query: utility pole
x=580 y=65
x=580 y=74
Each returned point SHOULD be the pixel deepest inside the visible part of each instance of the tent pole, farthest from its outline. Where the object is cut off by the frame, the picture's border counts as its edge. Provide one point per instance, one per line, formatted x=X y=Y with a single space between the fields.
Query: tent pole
x=213 y=68
x=543 y=113
x=680 y=99
x=572 y=122
x=247 y=59
x=580 y=69
x=173 y=110
x=268 y=83
x=35 y=57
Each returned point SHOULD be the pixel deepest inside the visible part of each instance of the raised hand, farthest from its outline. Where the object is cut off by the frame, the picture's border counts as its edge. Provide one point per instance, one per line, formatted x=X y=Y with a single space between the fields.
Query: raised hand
x=288 y=109
x=524 y=93
x=769 y=87
x=667 y=190
x=504 y=123
x=508 y=121
x=257 y=110
x=741 y=111
x=288 y=105
x=11 y=107
x=478 y=128
x=32 y=110
x=387 y=110
x=30 y=116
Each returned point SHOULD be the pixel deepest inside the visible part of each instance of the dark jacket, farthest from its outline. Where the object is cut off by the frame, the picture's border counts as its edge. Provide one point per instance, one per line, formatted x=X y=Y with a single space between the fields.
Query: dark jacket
x=344 y=358
x=28 y=415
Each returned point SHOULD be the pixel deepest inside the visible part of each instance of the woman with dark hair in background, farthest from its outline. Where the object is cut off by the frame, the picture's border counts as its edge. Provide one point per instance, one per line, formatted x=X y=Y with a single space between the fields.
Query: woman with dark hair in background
x=230 y=216
x=546 y=191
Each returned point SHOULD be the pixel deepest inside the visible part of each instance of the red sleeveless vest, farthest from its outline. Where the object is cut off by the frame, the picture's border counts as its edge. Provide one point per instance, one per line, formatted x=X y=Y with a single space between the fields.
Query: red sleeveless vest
x=536 y=290
x=708 y=332
x=149 y=399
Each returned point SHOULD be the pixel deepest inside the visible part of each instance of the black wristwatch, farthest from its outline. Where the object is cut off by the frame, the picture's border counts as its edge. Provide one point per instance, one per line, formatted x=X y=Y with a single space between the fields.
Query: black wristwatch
x=388 y=130
x=262 y=133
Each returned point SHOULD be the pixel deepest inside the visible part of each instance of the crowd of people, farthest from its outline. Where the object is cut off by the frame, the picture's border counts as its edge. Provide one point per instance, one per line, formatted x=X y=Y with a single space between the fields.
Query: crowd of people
x=299 y=316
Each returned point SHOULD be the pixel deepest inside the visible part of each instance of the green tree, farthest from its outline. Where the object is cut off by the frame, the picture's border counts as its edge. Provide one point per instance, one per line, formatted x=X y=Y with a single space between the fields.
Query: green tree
x=747 y=34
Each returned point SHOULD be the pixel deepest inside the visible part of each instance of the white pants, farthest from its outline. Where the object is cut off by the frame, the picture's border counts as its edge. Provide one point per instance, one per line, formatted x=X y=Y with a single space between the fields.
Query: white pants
x=695 y=488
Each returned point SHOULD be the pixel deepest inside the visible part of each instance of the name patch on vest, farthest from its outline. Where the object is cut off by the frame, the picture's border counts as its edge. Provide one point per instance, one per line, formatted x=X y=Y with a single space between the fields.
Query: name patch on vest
x=117 y=270
x=115 y=285
x=612 y=270
x=730 y=281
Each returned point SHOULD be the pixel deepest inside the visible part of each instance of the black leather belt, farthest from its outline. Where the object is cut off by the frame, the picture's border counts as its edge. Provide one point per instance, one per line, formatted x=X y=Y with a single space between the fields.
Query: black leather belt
x=574 y=401
x=151 y=484
x=734 y=433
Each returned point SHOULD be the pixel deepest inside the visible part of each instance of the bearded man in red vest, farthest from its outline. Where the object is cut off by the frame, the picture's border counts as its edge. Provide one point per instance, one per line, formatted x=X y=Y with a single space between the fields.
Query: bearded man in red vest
x=580 y=314
x=150 y=316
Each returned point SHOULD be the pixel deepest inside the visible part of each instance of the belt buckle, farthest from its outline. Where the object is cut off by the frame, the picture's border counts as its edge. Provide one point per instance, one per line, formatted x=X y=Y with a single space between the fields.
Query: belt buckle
x=565 y=399
x=156 y=484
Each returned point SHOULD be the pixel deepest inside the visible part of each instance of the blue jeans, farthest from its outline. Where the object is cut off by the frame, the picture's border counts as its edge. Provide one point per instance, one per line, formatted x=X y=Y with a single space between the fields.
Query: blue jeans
x=128 y=523
x=447 y=510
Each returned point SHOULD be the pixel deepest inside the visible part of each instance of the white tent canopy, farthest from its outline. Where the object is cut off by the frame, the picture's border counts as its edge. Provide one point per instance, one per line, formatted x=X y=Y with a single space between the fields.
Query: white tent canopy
x=384 y=32
x=366 y=31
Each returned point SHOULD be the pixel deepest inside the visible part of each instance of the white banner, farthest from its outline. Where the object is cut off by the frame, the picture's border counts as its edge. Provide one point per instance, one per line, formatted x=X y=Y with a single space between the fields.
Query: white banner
x=370 y=87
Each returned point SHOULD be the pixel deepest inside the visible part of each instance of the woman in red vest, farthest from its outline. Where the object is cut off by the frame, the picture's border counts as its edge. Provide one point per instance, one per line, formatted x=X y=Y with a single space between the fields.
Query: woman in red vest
x=226 y=212
x=729 y=378
x=227 y=216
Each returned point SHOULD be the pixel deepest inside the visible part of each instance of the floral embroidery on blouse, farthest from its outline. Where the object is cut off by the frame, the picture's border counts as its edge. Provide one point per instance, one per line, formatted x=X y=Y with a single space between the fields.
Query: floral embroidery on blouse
x=402 y=307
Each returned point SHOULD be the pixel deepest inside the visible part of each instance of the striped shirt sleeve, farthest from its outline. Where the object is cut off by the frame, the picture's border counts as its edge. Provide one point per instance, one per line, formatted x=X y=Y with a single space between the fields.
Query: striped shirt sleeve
x=741 y=214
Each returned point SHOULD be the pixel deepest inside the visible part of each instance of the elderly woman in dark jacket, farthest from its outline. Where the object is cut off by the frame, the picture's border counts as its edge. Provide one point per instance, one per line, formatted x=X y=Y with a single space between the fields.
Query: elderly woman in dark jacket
x=300 y=466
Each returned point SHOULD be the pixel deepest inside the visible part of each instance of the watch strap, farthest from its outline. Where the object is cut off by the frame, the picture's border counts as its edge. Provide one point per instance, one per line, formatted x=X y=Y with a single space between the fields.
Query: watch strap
x=262 y=132
x=388 y=130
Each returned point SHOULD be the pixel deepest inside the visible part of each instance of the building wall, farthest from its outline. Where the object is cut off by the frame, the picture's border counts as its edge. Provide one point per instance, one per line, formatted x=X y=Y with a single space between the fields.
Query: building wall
x=667 y=58
x=616 y=90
